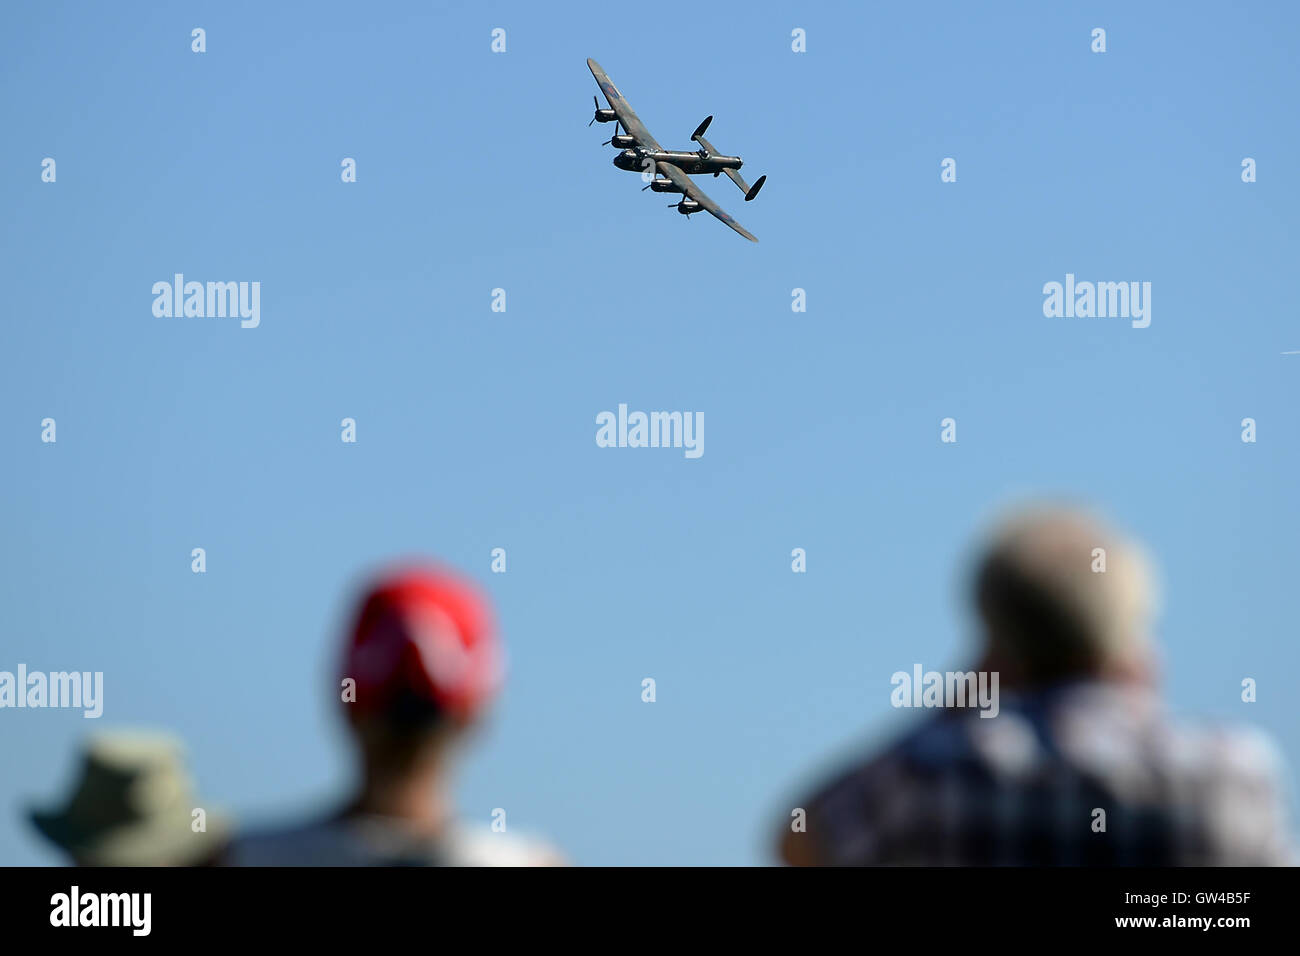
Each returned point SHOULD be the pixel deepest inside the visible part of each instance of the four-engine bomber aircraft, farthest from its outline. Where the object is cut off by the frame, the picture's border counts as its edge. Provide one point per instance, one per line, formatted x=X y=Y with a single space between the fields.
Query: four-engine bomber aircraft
x=639 y=152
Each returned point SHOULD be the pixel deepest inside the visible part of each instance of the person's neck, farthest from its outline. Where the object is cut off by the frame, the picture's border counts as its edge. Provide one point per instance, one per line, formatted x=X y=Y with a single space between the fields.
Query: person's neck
x=415 y=796
x=1134 y=675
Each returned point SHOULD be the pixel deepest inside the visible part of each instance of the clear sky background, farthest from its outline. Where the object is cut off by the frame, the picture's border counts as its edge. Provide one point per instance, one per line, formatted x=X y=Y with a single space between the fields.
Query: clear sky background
x=476 y=429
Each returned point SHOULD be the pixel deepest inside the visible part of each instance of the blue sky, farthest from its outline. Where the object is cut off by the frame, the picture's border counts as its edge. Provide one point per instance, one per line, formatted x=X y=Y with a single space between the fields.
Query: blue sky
x=476 y=428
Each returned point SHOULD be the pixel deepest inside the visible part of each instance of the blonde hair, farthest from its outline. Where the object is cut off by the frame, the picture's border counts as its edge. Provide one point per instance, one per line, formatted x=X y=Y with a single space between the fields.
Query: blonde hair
x=1062 y=593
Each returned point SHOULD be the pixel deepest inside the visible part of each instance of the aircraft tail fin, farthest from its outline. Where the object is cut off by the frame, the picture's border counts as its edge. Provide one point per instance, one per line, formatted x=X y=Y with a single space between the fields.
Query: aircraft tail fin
x=749 y=191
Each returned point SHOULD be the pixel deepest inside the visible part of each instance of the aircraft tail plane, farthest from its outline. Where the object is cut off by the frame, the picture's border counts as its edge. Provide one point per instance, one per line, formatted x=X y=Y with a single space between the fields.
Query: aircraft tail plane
x=749 y=191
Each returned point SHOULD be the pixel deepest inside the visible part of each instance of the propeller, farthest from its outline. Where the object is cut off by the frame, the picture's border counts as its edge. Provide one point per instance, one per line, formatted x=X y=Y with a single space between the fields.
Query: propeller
x=596 y=115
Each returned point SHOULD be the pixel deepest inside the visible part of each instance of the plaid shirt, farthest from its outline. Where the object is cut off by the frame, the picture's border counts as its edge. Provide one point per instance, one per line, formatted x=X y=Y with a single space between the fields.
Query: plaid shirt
x=1022 y=788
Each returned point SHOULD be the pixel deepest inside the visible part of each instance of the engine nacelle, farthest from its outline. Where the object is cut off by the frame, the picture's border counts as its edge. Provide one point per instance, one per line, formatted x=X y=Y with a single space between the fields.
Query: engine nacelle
x=605 y=116
x=623 y=141
x=664 y=186
x=688 y=206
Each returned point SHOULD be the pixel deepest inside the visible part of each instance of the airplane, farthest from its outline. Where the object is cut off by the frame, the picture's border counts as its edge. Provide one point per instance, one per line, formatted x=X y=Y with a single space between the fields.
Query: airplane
x=640 y=152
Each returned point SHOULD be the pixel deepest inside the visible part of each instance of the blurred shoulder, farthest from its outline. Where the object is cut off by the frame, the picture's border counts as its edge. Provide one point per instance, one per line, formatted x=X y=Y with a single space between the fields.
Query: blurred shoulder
x=1229 y=751
x=317 y=843
x=479 y=846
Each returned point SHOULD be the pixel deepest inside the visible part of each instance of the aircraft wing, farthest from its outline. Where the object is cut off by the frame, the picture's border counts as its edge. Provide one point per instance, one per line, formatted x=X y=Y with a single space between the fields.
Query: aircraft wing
x=693 y=191
x=626 y=115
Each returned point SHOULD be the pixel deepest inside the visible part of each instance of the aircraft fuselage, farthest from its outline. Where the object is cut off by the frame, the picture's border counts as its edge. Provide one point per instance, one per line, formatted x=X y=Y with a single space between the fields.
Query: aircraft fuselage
x=634 y=160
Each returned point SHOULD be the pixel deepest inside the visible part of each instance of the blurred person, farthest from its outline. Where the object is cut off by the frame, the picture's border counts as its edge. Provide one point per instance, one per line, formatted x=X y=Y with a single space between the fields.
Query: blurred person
x=134 y=805
x=1080 y=729
x=426 y=662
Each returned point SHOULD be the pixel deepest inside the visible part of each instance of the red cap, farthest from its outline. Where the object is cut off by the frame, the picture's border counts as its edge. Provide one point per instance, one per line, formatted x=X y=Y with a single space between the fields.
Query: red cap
x=424 y=631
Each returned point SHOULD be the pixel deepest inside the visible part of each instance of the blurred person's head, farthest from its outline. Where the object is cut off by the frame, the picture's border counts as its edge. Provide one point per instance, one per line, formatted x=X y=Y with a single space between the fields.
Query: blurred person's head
x=1060 y=596
x=419 y=665
x=133 y=805
x=425 y=659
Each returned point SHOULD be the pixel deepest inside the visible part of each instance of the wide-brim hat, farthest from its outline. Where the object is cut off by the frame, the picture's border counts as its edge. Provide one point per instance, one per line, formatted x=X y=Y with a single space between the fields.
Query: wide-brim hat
x=133 y=806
